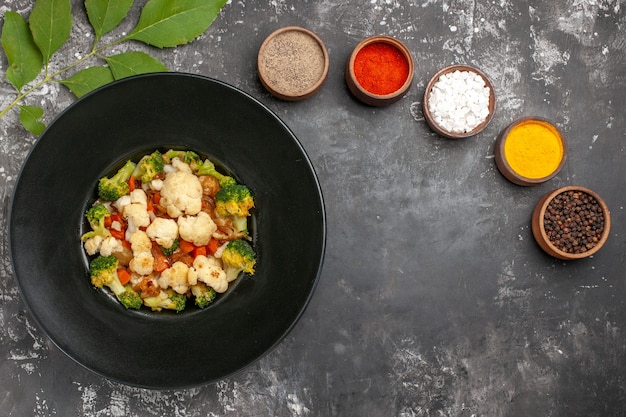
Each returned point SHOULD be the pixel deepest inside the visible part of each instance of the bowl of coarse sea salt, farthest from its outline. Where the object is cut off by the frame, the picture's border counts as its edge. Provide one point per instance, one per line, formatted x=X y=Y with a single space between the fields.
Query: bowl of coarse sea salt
x=459 y=101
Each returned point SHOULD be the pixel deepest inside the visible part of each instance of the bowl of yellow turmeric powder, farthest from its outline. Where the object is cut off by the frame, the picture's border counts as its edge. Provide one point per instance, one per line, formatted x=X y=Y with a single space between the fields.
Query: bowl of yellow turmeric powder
x=530 y=151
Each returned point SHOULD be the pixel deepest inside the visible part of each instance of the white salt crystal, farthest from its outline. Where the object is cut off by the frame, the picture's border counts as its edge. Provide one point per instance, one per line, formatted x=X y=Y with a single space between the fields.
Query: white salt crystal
x=459 y=101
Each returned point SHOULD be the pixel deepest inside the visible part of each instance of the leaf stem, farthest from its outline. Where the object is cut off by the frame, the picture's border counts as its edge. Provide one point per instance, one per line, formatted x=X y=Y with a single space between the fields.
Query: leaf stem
x=95 y=51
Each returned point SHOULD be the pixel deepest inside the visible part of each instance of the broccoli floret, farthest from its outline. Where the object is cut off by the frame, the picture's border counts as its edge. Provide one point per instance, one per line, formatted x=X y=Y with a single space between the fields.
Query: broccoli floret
x=95 y=216
x=187 y=157
x=149 y=167
x=204 y=294
x=238 y=256
x=169 y=251
x=111 y=189
x=168 y=299
x=235 y=201
x=103 y=272
x=208 y=168
x=130 y=298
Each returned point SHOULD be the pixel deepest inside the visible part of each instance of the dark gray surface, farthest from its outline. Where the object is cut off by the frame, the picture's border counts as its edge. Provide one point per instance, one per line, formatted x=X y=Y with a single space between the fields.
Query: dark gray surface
x=434 y=298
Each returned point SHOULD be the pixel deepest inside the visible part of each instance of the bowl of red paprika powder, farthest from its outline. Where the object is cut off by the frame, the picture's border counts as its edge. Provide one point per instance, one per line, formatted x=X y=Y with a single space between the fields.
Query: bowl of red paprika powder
x=380 y=70
x=571 y=222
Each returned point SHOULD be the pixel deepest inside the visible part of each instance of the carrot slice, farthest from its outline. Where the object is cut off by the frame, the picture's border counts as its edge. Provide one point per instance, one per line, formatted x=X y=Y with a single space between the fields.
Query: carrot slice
x=123 y=275
x=131 y=183
x=213 y=246
x=116 y=217
x=118 y=234
x=160 y=263
x=186 y=247
x=199 y=250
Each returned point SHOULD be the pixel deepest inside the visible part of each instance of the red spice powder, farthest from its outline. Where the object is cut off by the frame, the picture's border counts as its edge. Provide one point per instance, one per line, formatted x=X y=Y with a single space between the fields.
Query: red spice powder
x=380 y=68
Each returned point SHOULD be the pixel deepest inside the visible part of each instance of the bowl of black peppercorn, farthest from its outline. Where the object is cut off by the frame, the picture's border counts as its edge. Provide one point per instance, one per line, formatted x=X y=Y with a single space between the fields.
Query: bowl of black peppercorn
x=571 y=222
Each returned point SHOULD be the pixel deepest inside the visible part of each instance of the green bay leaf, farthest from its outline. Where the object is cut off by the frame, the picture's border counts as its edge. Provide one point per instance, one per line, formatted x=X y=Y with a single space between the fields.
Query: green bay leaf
x=169 y=23
x=23 y=55
x=50 y=23
x=87 y=80
x=133 y=63
x=105 y=15
x=29 y=117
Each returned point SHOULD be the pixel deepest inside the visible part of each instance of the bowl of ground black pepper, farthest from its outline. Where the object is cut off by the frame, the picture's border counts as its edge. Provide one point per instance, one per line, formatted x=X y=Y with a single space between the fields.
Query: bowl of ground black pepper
x=380 y=70
x=293 y=63
x=571 y=223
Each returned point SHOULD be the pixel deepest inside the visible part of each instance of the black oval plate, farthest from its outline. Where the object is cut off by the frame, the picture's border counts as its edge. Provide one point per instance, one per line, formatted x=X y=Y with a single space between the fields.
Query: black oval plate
x=137 y=115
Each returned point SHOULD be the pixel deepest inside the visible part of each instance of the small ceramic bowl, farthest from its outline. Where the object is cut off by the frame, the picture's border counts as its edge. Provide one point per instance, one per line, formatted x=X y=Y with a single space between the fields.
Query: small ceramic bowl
x=431 y=118
x=373 y=98
x=293 y=63
x=547 y=152
x=544 y=224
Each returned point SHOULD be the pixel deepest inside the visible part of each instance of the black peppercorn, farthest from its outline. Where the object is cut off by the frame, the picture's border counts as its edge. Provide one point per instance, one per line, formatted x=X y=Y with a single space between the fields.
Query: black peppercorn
x=574 y=222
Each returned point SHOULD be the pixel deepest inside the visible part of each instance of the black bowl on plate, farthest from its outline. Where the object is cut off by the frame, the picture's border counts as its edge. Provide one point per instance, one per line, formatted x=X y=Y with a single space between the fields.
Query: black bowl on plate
x=94 y=136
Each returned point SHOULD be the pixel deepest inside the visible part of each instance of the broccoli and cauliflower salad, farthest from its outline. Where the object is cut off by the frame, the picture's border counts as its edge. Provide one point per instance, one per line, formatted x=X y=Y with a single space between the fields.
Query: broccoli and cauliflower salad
x=167 y=231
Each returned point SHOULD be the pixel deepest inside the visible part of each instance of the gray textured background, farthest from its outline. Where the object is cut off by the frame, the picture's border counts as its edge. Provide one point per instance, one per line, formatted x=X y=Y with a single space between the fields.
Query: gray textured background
x=434 y=299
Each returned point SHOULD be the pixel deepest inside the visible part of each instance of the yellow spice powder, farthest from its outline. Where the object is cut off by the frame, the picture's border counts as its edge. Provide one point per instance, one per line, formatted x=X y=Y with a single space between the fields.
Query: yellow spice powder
x=533 y=149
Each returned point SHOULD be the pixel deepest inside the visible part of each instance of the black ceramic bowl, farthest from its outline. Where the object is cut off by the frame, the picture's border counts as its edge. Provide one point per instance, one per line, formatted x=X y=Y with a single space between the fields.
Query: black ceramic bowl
x=57 y=183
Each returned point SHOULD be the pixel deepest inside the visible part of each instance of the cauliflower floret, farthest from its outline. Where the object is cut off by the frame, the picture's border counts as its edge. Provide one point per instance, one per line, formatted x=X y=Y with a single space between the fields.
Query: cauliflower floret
x=138 y=196
x=137 y=279
x=92 y=245
x=156 y=184
x=192 y=276
x=181 y=193
x=176 y=277
x=136 y=216
x=122 y=202
x=168 y=168
x=196 y=229
x=138 y=213
x=210 y=272
x=163 y=231
x=180 y=165
x=140 y=242
x=111 y=245
x=142 y=263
